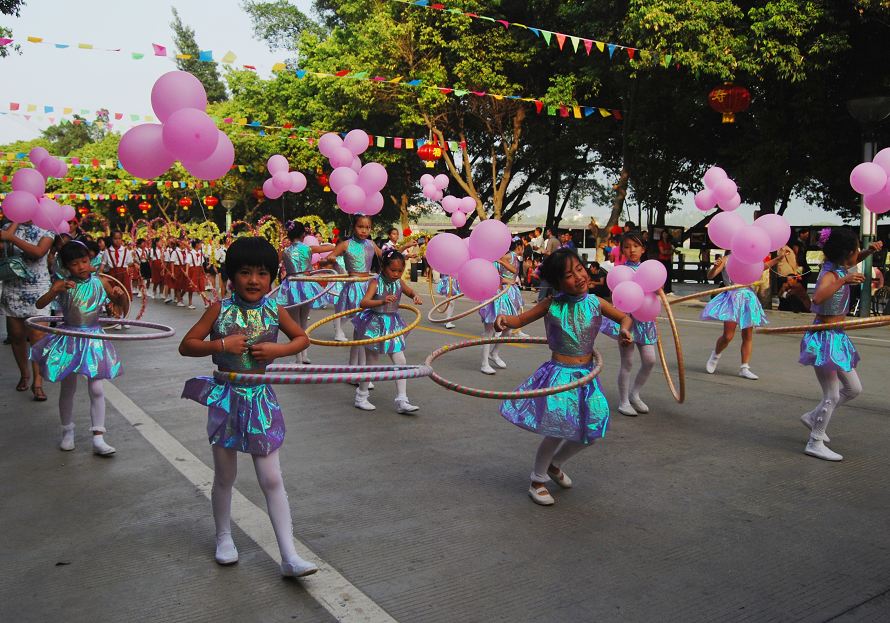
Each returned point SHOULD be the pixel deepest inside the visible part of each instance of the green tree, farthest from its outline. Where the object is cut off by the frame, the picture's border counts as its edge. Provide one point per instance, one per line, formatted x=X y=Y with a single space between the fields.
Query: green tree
x=279 y=23
x=207 y=73
x=9 y=7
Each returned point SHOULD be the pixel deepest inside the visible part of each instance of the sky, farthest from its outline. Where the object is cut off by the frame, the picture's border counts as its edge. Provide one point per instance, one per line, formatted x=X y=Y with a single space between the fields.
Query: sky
x=92 y=79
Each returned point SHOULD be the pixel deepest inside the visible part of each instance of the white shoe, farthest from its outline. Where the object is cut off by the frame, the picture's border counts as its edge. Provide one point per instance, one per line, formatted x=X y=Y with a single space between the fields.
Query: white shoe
x=100 y=447
x=180 y=304
x=137 y=295
x=540 y=495
x=521 y=334
x=306 y=359
x=340 y=337
x=711 y=366
x=818 y=449
x=167 y=301
x=403 y=406
x=559 y=477
x=151 y=296
x=497 y=361
x=191 y=306
x=807 y=421
x=745 y=373
x=638 y=405
x=67 y=442
x=297 y=568
x=361 y=401
x=226 y=553
x=370 y=386
x=449 y=325
x=627 y=409
x=487 y=369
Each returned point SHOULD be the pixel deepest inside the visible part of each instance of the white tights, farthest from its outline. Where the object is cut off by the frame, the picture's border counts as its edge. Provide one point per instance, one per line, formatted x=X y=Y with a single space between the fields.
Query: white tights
x=371 y=358
x=553 y=451
x=301 y=317
x=489 y=350
x=647 y=362
x=97 y=402
x=268 y=473
x=838 y=387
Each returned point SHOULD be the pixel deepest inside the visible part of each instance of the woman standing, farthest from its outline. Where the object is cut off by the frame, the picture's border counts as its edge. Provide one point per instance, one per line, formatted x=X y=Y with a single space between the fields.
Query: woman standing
x=666 y=257
x=19 y=297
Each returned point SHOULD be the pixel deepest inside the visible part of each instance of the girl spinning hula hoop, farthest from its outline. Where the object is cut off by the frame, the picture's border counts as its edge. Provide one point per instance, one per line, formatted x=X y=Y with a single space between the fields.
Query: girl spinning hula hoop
x=448 y=287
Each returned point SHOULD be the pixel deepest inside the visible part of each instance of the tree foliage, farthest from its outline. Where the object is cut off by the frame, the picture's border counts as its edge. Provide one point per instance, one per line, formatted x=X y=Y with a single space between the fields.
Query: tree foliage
x=207 y=73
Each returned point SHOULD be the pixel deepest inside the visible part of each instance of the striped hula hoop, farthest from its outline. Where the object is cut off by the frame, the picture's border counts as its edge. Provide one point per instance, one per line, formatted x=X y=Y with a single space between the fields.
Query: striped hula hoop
x=162 y=330
x=299 y=374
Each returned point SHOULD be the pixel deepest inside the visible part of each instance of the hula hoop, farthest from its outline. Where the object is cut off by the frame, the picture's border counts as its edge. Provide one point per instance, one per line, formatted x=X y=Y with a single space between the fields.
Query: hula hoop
x=117 y=281
x=463 y=314
x=432 y=289
x=367 y=341
x=162 y=329
x=852 y=325
x=298 y=374
x=501 y=395
x=335 y=277
x=679 y=395
x=698 y=295
x=309 y=300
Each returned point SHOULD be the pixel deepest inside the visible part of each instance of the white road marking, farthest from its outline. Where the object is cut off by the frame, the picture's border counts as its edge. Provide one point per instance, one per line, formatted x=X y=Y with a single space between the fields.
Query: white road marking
x=852 y=335
x=328 y=587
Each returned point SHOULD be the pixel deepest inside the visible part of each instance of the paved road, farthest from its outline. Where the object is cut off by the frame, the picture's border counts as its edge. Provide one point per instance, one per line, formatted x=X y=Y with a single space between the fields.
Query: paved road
x=705 y=511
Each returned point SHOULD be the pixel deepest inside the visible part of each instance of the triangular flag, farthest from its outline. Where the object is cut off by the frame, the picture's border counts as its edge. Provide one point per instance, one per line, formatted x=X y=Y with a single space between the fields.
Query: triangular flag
x=228 y=57
x=504 y=22
x=381 y=141
x=35 y=39
x=13 y=105
x=460 y=92
x=588 y=45
x=539 y=106
x=563 y=111
x=185 y=57
x=342 y=72
x=396 y=80
x=85 y=46
x=300 y=73
x=611 y=50
x=630 y=52
x=205 y=56
x=61 y=46
x=600 y=46
x=588 y=110
x=547 y=34
x=537 y=31
x=414 y=83
x=397 y=142
x=361 y=75
x=575 y=41
x=409 y=143
x=576 y=111
x=33 y=107
x=159 y=49
x=605 y=113
x=551 y=110
x=617 y=114
x=667 y=60
x=279 y=67
x=137 y=55
x=48 y=109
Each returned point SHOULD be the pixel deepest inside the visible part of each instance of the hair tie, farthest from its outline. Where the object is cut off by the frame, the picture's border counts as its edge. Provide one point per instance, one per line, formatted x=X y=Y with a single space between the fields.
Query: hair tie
x=824 y=235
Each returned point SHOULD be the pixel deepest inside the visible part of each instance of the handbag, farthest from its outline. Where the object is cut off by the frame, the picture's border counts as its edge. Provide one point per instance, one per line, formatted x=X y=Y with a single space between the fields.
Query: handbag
x=13 y=268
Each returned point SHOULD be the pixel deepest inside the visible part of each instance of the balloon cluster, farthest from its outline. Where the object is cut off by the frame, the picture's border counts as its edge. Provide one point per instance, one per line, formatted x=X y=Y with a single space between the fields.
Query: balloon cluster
x=434 y=187
x=283 y=179
x=749 y=243
x=357 y=187
x=472 y=259
x=457 y=207
x=186 y=133
x=27 y=202
x=634 y=291
x=872 y=181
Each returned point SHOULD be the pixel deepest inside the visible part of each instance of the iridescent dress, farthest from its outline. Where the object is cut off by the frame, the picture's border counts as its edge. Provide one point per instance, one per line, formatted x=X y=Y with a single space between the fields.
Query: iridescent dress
x=830 y=349
x=515 y=293
x=502 y=305
x=740 y=306
x=642 y=332
x=358 y=258
x=297 y=260
x=581 y=414
x=447 y=286
x=246 y=418
x=61 y=355
x=383 y=319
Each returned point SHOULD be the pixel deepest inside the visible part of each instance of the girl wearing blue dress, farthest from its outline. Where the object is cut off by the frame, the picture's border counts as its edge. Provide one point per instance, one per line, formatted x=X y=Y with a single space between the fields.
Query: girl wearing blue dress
x=504 y=305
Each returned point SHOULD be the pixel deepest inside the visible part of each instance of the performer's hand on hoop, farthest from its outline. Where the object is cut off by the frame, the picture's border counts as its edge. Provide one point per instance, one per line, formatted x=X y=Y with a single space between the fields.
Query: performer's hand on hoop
x=118 y=295
x=417 y=300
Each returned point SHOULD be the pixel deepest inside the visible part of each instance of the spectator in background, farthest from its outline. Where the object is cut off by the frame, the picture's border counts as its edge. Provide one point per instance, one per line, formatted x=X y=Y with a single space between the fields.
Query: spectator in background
x=629 y=226
x=565 y=240
x=597 y=284
x=704 y=262
x=615 y=256
x=527 y=261
x=551 y=244
x=718 y=279
x=666 y=257
x=537 y=243
x=800 y=246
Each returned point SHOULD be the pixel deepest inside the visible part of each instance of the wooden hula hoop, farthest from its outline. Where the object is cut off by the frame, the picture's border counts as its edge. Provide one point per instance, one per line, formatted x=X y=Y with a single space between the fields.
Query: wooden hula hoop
x=367 y=341
x=712 y=292
x=679 y=395
x=433 y=290
x=852 y=325
x=324 y=291
x=129 y=298
x=463 y=314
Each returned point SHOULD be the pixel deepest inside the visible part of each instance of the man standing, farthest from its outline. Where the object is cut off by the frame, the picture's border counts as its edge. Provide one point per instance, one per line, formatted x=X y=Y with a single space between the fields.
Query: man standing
x=537 y=243
x=800 y=246
x=551 y=244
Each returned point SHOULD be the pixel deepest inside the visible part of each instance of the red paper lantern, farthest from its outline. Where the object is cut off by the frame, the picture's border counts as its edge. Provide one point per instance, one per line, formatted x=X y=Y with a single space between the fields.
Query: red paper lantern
x=83 y=211
x=430 y=153
x=728 y=100
x=122 y=210
x=211 y=202
x=335 y=231
x=185 y=203
x=145 y=207
x=406 y=232
x=322 y=179
x=258 y=194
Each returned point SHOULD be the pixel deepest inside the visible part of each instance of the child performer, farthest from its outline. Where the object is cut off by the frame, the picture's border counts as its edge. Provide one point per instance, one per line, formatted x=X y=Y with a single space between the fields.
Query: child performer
x=142 y=267
x=195 y=279
x=117 y=261
x=169 y=273
x=297 y=260
x=515 y=293
x=736 y=308
x=243 y=330
x=156 y=261
x=61 y=357
x=571 y=420
x=179 y=257
x=501 y=306
x=380 y=316
x=448 y=287
x=831 y=353
x=644 y=336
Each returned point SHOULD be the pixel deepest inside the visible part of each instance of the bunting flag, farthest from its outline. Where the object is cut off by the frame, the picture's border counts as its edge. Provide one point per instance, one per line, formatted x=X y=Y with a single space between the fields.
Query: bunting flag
x=93 y=196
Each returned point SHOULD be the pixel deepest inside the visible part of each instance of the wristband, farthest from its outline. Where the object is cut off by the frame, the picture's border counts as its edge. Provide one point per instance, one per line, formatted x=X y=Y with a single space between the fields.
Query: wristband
x=223 y=340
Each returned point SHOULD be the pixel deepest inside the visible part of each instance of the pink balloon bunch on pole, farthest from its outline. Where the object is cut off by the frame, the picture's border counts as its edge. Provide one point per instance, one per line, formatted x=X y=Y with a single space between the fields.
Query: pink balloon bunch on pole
x=283 y=179
x=872 y=181
x=27 y=201
x=459 y=208
x=634 y=292
x=186 y=133
x=719 y=191
x=472 y=260
x=358 y=187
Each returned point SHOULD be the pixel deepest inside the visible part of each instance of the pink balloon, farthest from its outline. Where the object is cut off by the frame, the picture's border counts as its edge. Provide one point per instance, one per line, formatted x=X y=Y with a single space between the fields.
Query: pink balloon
x=176 y=90
x=356 y=164
x=441 y=181
x=190 y=134
x=281 y=180
x=67 y=213
x=649 y=310
x=619 y=274
x=467 y=205
x=48 y=167
x=30 y=181
x=450 y=203
x=429 y=191
x=312 y=241
x=458 y=219
x=48 y=214
x=63 y=227
x=490 y=240
x=351 y=199
x=776 y=227
x=37 y=154
x=731 y=204
x=879 y=202
x=743 y=272
x=705 y=200
x=478 y=279
x=882 y=159
x=725 y=190
x=19 y=206
x=373 y=205
x=466 y=242
x=714 y=176
x=446 y=253
x=218 y=164
x=328 y=143
x=722 y=228
x=628 y=296
x=372 y=177
x=437 y=195
x=750 y=244
x=142 y=152
x=357 y=141
x=650 y=276
x=427 y=180
x=339 y=178
x=271 y=190
x=340 y=157
x=297 y=182
x=277 y=164
x=61 y=168
x=868 y=178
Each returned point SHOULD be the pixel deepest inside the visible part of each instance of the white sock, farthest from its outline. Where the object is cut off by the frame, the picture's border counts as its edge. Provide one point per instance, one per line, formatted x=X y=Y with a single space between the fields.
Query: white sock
x=268 y=472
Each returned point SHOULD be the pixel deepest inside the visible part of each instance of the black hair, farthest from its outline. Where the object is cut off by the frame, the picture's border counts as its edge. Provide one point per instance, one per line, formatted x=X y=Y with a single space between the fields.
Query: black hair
x=196 y=242
x=636 y=236
x=251 y=251
x=295 y=230
x=390 y=255
x=61 y=238
x=140 y=240
x=355 y=219
x=515 y=243
x=630 y=224
x=71 y=251
x=115 y=231
x=553 y=268
x=92 y=246
x=840 y=244
x=392 y=229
